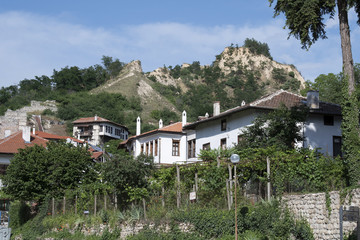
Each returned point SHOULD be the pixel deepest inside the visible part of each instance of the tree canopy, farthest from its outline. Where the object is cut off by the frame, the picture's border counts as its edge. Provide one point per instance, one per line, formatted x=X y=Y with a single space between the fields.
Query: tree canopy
x=36 y=172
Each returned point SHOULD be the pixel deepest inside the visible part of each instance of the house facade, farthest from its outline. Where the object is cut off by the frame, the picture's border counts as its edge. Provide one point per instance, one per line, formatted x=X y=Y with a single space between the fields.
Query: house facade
x=167 y=144
x=320 y=131
x=97 y=130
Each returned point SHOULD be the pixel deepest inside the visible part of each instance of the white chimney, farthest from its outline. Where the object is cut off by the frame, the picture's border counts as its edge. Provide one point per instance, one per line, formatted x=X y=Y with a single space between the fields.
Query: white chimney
x=138 y=125
x=7 y=133
x=184 y=118
x=95 y=117
x=312 y=99
x=161 y=123
x=26 y=134
x=33 y=131
x=216 y=108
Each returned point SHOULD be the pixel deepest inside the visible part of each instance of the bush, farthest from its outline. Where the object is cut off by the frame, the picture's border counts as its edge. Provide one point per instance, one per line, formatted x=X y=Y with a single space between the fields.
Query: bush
x=20 y=214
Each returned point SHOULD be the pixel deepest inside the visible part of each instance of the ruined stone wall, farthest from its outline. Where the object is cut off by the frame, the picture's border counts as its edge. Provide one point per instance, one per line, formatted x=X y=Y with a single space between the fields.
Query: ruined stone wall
x=313 y=208
x=15 y=120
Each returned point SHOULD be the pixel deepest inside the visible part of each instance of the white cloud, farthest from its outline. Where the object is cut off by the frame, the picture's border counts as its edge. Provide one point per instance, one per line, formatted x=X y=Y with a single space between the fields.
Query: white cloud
x=35 y=45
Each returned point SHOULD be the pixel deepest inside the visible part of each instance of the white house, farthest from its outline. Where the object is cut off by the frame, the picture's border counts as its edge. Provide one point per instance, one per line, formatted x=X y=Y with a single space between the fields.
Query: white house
x=97 y=130
x=223 y=130
x=167 y=144
x=182 y=142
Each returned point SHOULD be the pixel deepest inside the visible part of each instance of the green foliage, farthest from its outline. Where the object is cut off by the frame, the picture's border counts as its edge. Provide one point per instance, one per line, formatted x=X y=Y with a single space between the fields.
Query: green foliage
x=125 y=174
x=20 y=214
x=257 y=47
x=277 y=128
x=305 y=19
x=350 y=131
x=165 y=114
x=36 y=172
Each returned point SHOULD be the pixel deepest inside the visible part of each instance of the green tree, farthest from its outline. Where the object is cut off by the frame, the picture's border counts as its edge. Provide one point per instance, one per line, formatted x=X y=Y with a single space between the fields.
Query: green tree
x=257 y=47
x=305 y=20
x=123 y=171
x=279 y=128
x=36 y=172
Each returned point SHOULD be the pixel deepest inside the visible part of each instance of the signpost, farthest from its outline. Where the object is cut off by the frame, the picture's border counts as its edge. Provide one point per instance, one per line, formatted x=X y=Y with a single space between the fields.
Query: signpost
x=349 y=214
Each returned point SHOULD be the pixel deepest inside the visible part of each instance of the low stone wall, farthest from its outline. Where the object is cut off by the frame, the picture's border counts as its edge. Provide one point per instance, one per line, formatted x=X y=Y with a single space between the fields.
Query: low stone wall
x=312 y=207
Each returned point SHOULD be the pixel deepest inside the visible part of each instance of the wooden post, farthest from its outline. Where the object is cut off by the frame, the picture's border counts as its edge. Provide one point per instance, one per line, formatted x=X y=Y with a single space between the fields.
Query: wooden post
x=178 y=198
x=144 y=206
x=75 y=204
x=53 y=207
x=94 y=204
x=268 y=178
x=196 y=187
x=105 y=201
x=163 y=196
x=228 y=194
x=115 y=201
x=64 y=205
x=230 y=184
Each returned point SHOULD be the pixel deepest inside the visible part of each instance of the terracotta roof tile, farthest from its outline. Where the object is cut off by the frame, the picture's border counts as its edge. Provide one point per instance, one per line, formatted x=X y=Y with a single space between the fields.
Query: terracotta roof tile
x=56 y=137
x=12 y=143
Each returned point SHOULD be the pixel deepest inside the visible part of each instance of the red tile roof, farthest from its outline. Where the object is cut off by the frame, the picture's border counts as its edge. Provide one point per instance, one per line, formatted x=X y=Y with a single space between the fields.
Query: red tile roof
x=56 y=137
x=12 y=143
x=172 y=128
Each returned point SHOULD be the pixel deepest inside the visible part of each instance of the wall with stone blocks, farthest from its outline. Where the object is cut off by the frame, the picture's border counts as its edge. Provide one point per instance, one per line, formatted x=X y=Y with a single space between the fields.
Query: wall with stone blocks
x=313 y=208
x=15 y=120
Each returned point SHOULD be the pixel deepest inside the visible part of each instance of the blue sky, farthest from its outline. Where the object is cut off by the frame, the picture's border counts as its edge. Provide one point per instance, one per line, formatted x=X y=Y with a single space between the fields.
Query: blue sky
x=39 y=36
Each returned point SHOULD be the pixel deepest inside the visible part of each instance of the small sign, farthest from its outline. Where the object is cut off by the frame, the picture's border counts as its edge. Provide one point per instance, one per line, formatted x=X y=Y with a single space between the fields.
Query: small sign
x=351 y=214
x=192 y=196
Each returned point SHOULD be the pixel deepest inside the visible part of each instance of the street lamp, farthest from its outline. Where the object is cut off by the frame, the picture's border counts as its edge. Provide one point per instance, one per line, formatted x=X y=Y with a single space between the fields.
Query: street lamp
x=235 y=158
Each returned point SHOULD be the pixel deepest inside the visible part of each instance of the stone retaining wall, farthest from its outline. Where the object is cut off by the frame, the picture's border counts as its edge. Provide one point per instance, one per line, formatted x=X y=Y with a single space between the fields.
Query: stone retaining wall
x=313 y=208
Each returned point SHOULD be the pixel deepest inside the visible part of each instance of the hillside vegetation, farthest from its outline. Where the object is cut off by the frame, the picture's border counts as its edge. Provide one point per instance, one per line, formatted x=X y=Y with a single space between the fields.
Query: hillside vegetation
x=120 y=92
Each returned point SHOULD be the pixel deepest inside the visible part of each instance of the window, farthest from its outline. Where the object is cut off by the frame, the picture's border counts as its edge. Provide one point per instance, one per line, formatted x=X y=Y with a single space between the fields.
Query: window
x=147 y=148
x=176 y=147
x=206 y=146
x=337 y=142
x=223 y=125
x=240 y=138
x=151 y=148
x=191 y=148
x=223 y=143
x=156 y=147
x=3 y=168
x=101 y=128
x=329 y=120
x=142 y=148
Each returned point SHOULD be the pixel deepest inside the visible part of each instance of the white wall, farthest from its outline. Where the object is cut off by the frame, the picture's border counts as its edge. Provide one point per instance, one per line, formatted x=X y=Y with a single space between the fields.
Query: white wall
x=164 y=155
x=318 y=135
x=210 y=132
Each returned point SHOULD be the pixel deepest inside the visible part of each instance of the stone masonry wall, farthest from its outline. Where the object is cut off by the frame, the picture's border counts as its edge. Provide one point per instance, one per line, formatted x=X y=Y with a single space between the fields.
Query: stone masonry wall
x=313 y=208
x=15 y=120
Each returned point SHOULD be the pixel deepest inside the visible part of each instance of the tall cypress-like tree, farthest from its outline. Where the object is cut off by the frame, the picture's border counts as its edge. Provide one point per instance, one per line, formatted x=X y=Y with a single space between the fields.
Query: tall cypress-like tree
x=305 y=21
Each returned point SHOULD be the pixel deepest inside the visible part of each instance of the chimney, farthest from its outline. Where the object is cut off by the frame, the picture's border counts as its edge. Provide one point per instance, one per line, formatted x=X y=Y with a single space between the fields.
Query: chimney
x=184 y=118
x=7 y=133
x=312 y=99
x=161 y=123
x=138 y=126
x=216 y=108
x=33 y=132
x=95 y=117
x=26 y=134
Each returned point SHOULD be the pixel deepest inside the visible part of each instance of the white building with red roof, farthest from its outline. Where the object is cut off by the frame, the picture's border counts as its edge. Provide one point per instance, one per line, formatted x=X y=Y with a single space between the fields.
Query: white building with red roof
x=320 y=131
x=97 y=130
x=182 y=142
x=167 y=144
